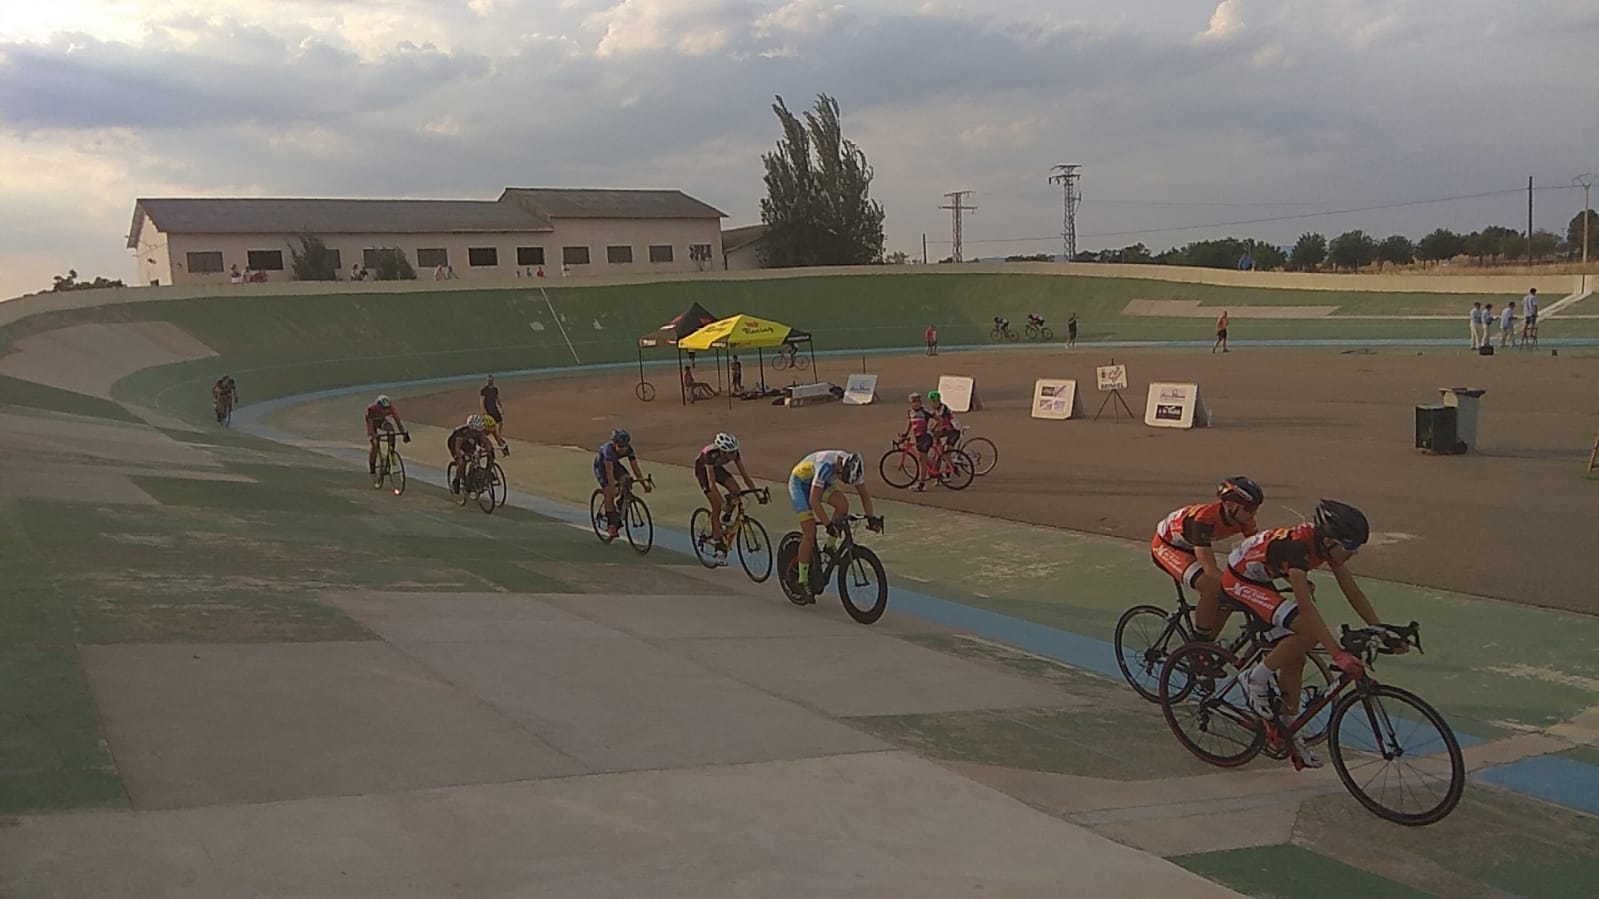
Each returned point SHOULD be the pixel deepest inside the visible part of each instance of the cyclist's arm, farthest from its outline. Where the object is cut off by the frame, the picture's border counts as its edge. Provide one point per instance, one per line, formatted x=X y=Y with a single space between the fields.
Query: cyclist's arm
x=1314 y=624
x=866 y=498
x=1207 y=560
x=818 y=507
x=1356 y=596
x=632 y=462
x=744 y=473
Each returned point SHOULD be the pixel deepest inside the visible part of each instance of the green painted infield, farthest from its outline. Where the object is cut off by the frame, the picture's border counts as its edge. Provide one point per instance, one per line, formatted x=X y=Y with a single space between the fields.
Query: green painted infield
x=28 y=394
x=1287 y=870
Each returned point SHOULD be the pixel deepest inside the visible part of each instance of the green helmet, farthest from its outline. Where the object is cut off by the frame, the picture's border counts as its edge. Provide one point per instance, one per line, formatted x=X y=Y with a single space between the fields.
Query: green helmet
x=933 y=396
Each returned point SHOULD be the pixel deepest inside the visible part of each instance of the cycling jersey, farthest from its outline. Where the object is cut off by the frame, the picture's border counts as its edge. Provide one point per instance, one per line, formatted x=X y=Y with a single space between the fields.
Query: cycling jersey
x=376 y=413
x=920 y=420
x=1270 y=555
x=1198 y=525
x=711 y=465
x=823 y=467
x=467 y=440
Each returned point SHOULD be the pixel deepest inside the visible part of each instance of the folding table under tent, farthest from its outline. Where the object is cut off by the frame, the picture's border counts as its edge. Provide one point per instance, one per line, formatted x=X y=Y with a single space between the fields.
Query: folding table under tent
x=670 y=334
x=748 y=333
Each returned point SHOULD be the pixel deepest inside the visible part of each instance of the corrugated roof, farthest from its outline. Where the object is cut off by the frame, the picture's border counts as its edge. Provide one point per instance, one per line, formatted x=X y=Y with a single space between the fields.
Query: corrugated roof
x=589 y=203
x=257 y=215
x=738 y=238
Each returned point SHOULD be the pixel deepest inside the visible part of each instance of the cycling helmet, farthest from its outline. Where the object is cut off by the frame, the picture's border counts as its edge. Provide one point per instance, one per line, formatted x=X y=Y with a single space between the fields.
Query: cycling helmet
x=854 y=468
x=726 y=442
x=1241 y=490
x=1343 y=523
x=934 y=396
x=489 y=424
x=384 y=401
x=475 y=422
x=621 y=437
x=913 y=397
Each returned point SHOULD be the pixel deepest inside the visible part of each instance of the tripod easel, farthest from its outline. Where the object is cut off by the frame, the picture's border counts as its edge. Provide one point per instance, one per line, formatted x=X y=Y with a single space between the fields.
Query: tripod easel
x=1115 y=394
x=1593 y=457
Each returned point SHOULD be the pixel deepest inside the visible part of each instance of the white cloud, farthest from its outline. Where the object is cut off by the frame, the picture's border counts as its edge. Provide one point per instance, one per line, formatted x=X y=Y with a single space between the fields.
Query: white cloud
x=806 y=17
x=1226 y=22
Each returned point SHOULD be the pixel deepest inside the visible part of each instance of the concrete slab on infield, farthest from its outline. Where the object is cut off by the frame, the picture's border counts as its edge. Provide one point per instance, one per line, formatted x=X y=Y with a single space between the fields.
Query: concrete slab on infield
x=71 y=483
x=204 y=724
x=90 y=358
x=664 y=617
x=420 y=617
x=620 y=704
x=122 y=444
x=607 y=577
x=865 y=674
x=872 y=825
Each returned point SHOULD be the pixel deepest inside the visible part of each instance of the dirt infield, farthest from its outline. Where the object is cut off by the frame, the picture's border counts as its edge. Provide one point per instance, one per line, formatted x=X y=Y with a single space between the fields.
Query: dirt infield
x=1511 y=520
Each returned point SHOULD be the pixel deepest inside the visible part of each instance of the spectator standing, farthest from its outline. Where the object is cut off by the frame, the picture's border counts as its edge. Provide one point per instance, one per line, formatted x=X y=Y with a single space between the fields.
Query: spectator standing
x=438 y=272
x=1507 y=324
x=1476 y=325
x=1071 y=331
x=736 y=373
x=1529 y=314
x=1221 y=333
x=932 y=340
x=491 y=399
x=1489 y=317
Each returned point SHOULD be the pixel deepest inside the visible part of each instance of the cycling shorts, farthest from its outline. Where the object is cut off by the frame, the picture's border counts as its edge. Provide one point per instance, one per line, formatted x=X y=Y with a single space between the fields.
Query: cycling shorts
x=706 y=473
x=924 y=441
x=617 y=467
x=1264 y=601
x=799 y=495
x=1179 y=563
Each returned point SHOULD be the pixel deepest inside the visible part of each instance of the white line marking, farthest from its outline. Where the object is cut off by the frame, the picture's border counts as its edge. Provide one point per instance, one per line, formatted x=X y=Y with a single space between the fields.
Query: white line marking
x=561 y=326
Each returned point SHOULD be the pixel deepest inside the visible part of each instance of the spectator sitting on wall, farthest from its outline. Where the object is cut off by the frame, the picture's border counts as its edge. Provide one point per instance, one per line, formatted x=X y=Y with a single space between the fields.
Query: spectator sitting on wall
x=235 y=276
x=438 y=272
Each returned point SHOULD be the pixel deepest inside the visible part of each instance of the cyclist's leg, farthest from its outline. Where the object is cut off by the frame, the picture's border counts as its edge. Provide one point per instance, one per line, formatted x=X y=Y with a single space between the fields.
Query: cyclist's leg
x=1183 y=568
x=372 y=454
x=799 y=496
x=924 y=443
x=1209 y=616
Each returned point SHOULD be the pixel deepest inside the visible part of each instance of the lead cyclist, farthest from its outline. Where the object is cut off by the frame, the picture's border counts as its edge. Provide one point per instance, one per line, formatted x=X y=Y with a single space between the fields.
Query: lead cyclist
x=813 y=489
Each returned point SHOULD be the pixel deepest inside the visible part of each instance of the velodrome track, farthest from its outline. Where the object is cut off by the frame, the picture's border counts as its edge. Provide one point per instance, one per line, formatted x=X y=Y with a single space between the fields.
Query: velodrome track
x=217 y=612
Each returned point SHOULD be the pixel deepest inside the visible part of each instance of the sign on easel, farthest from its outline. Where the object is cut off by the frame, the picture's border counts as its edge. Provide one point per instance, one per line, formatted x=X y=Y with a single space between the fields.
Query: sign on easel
x=1175 y=406
x=1111 y=377
x=959 y=393
x=1054 y=398
x=860 y=390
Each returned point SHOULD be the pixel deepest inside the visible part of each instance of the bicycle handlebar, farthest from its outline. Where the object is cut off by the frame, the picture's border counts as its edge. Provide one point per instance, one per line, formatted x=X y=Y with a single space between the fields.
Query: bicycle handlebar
x=1383 y=639
x=763 y=492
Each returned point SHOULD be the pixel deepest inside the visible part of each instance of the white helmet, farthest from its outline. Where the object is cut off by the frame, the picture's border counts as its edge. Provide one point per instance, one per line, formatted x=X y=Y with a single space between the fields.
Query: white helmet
x=854 y=468
x=475 y=422
x=726 y=442
x=384 y=401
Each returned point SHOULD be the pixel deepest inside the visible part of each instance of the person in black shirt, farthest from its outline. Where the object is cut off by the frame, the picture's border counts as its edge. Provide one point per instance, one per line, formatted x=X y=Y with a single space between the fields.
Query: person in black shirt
x=491 y=400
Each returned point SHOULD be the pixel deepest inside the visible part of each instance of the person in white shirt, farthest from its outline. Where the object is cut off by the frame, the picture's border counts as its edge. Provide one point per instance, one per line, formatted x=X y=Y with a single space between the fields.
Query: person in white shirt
x=1507 y=324
x=1476 y=325
x=1529 y=312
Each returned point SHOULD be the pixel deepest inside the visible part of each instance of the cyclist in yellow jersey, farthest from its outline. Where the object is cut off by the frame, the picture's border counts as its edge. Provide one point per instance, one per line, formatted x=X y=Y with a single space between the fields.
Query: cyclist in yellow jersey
x=491 y=427
x=813 y=491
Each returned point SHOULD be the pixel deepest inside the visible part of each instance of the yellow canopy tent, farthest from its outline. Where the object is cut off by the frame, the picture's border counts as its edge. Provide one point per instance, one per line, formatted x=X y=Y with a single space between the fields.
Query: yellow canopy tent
x=746 y=332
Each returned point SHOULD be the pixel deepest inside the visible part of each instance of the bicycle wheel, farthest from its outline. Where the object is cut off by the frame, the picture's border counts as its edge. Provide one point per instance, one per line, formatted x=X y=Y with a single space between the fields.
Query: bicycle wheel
x=779 y=362
x=1367 y=753
x=863 y=586
x=463 y=494
x=499 y=485
x=396 y=472
x=1032 y=330
x=801 y=361
x=699 y=529
x=899 y=468
x=1012 y=335
x=485 y=489
x=754 y=550
x=1046 y=333
x=959 y=473
x=996 y=335
x=644 y=391
x=1145 y=635
x=1204 y=705
x=788 y=568
x=597 y=516
x=983 y=452
x=640 y=527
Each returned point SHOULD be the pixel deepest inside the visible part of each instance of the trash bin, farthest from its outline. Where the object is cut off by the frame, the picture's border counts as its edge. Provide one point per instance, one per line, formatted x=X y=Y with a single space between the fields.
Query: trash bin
x=1464 y=399
x=1435 y=429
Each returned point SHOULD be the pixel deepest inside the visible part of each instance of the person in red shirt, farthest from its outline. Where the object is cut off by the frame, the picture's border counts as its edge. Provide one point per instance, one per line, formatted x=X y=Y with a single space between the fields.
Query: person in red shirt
x=377 y=416
x=1332 y=537
x=932 y=340
x=1183 y=545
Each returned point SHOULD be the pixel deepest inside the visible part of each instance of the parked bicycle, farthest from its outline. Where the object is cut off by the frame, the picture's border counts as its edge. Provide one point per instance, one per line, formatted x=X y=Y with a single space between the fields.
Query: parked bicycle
x=1146 y=635
x=483 y=480
x=738 y=529
x=636 y=521
x=789 y=356
x=858 y=570
x=984 y=454
x=1373 y=728
x=901 y=466
x=391 y=467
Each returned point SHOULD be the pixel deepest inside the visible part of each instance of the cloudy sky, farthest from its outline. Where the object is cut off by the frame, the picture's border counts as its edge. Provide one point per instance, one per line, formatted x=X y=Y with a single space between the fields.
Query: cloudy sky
x=1182 y=112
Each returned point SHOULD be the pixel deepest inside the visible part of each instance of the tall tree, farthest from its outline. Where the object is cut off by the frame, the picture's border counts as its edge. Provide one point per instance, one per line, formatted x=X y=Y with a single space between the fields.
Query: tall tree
x=1396 y=249
x=1544 y=244
x=1441 y=244
x=818 y=209
x=1351 y=250
x=312 y=260
x=1268 y=256
x=1309 y=252
x=69 y=281
x=1574 y=233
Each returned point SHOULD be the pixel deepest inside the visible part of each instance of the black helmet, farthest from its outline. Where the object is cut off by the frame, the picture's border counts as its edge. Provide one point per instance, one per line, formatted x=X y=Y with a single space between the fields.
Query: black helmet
x=1241 y=490
x=1343 y=523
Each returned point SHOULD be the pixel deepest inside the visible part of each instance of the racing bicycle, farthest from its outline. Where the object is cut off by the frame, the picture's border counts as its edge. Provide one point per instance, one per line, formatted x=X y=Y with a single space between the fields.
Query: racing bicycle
x=636 y=521
x=391 y=467
x=862 y=582
x=738 y=528
x=483 y=480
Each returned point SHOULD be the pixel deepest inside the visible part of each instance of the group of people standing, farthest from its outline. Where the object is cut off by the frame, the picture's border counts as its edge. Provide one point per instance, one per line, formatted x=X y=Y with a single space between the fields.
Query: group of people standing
x=1483 y=319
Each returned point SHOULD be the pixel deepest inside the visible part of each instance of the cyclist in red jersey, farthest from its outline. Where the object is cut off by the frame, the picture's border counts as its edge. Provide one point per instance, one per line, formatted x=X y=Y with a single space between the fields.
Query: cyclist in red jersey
x=1333 y=535
x=919 y=425
x=1182 y=546
x=377 y=416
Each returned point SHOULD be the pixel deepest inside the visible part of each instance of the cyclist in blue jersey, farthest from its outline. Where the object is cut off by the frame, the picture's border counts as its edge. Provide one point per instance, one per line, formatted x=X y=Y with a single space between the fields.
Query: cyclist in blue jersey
x=608 y=471
x=813 y=490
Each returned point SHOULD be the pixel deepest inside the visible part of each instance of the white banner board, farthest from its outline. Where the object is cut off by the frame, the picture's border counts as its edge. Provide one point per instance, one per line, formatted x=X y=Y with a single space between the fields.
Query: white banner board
x=959 y=393
x=1111 y=377
x=1175 y=406
x=1054 y=398
x=860 y=390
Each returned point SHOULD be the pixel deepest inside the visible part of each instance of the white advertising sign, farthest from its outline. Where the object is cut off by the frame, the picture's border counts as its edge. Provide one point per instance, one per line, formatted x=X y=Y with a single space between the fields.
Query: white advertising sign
x=1111 y=377
x=1175 y=406
x=959 y=393
x=860 y=390
x=1054 y=398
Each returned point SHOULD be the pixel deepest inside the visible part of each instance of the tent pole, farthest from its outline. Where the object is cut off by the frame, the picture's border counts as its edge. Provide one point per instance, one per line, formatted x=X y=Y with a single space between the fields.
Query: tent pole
x=760 y=362
x=682 y=392
x=641 y=365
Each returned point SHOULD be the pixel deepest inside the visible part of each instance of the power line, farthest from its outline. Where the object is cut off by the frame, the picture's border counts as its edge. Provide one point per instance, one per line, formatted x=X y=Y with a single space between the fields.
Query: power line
x=1285 y=218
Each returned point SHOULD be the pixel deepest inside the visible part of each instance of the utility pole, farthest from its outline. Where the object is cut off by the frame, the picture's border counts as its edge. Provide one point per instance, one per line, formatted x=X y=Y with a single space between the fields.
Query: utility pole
x=1529 y=220
x=1585 y=181
x=924 y=248
x=955 y=209
x=1066 y=175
